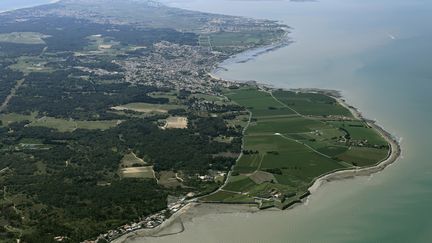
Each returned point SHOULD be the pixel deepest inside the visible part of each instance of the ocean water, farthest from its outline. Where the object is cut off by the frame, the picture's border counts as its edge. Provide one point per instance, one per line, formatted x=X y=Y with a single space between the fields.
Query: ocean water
x=6 y=5
x=379 y=54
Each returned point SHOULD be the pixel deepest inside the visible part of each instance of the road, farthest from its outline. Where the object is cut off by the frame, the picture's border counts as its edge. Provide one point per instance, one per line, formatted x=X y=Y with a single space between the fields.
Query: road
x=11 y=94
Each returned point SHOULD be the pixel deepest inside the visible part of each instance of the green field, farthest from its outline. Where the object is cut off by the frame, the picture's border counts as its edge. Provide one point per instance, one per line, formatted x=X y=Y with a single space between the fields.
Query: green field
x=29 y=64
x=259 y=103
x=240 y=185
x=364 y=156
x=359 y=130
x=63 y=125
x=227 y=197
x=9 y=118
x=312 y=103
x=294 y=138
x=23 y=38
x=286 y=125
x=248 y=163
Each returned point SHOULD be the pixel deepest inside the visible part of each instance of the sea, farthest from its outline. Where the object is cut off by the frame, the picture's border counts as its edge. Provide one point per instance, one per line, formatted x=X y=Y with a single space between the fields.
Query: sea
x=7 y=5
x=378 y=53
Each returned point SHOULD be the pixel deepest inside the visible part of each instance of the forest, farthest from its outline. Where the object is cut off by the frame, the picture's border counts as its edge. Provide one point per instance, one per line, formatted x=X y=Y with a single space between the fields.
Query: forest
x=70 y=73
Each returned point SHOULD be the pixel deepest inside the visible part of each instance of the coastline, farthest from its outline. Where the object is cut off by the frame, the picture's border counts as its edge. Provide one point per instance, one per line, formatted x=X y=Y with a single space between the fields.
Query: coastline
x=249 y=55
x=175 y=224
x=192 y=208
x=393 y=155
x=394 y=150
x=152 y=232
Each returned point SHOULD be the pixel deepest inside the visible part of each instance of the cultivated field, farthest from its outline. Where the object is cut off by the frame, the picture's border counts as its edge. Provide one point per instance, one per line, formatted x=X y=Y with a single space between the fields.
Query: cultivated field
x=176 y=122
x=312 y=103
x=259 y=103
x=138 y=172
x=292 y=139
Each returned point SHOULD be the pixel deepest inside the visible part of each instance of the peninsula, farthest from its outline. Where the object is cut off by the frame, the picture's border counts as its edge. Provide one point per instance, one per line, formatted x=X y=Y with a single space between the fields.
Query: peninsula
x=111 y=121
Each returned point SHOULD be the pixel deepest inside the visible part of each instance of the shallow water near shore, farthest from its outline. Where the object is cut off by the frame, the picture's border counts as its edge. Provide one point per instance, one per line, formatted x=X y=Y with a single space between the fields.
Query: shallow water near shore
x=379 y=54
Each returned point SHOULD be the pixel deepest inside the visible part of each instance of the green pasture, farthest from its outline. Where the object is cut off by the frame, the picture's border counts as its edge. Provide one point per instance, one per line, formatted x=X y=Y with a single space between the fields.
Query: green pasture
x=286 y=125
x=260 y=103
x=363 y=156
x=312 y=103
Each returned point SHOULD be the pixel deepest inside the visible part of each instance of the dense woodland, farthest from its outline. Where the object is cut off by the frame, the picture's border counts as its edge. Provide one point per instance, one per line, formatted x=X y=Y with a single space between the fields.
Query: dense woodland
x=8 y=79
x=54 y=95
x=71 y=193
x=70 y=34
x=71 y=187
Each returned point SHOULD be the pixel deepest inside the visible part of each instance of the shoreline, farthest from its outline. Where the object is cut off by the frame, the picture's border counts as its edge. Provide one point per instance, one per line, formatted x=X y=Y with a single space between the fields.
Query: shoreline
x=175 y=224
x=185 y=212
x=393 y=155
x=154 y=231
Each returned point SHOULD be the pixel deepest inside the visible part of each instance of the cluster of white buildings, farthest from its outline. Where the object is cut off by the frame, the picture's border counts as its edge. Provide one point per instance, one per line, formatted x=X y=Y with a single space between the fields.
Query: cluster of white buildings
x=148 y=222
